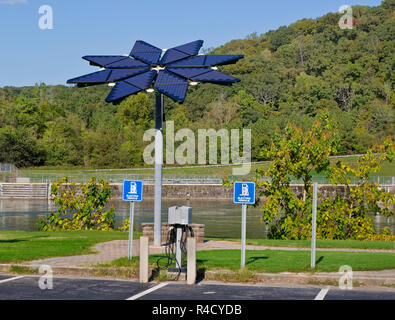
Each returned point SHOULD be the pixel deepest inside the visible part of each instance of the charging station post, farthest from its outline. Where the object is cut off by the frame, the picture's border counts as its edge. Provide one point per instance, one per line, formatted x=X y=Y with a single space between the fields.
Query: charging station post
x=133 y=192
x=179 y=218
x=243 y=193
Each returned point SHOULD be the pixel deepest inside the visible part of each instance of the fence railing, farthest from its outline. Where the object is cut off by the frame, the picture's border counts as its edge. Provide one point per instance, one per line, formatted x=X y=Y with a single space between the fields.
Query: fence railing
x=82 y=177
x=7 y=167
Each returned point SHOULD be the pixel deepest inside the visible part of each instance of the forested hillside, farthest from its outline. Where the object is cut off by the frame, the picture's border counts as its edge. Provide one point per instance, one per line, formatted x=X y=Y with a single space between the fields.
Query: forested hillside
x=291 y=74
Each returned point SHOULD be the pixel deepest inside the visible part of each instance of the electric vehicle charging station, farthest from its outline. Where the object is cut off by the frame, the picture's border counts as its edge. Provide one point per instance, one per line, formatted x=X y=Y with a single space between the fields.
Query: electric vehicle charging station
x=179 y=219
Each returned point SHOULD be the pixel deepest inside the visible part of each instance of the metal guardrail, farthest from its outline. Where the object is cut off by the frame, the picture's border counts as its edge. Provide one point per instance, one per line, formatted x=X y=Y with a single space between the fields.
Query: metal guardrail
x=82 y=177
x=118 y=178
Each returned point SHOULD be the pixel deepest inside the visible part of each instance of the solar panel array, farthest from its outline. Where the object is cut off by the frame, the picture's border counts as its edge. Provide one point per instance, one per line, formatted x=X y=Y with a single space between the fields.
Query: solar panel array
x=147 y=66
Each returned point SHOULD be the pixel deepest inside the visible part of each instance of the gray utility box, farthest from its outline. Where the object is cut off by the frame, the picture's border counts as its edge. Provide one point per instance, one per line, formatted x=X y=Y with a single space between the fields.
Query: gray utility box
x=180 y=215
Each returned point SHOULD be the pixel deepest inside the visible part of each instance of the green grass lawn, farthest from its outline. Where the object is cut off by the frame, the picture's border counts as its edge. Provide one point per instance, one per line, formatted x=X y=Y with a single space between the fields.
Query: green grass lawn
x=294 y=261
x=276 y=261
x=21 y=246
x=351 y=244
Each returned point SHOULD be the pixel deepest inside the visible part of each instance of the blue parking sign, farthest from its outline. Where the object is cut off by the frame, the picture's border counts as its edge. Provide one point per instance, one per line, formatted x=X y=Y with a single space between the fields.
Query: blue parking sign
x=244 y=192
x=132 y=190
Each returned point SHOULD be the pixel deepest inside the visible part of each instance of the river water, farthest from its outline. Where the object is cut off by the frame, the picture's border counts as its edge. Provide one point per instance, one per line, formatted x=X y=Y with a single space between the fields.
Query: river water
x=222 y=218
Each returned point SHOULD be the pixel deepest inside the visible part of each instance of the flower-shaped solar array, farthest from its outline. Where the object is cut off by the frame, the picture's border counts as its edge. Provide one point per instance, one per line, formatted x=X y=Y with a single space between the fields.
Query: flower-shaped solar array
x=148 y=67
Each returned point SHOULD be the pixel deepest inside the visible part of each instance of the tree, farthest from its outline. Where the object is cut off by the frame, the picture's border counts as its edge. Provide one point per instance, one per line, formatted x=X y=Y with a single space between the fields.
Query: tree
x=249 y=109
x=344 y=216
x=348 y=216
x=79 y=207
x=19 y=147
x=136 y=110
x=294 y=155
x=62 y=141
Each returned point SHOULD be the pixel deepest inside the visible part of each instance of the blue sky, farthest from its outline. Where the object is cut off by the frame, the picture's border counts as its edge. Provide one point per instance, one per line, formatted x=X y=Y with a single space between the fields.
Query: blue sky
x=29 y=55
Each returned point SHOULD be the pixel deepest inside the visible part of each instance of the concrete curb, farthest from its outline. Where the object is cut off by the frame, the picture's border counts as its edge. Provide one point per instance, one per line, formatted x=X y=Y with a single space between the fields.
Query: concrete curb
x=310 y=278
x=72 y=271
x=360 y=278
x=334 y=279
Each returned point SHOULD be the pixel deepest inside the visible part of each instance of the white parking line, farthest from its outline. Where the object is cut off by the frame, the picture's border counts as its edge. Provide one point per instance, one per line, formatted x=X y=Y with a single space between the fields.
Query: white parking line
x=136 y=296
x=321 y=295
x=10 y=279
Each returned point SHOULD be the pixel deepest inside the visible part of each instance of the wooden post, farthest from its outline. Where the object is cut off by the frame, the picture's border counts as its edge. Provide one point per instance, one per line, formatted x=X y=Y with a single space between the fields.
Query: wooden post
x=143 y=274
x=191 y=260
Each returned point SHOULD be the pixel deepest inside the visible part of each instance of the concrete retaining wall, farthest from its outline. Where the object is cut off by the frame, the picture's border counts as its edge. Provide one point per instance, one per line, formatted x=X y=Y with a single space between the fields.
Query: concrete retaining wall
x=24 y=190
x=169 y=191
x=181 y=191
x=210 y=191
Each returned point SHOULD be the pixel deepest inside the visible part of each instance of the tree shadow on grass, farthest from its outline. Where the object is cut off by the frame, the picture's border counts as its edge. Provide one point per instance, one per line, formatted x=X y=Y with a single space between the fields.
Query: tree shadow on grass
x=319 y=260
x=200 y=269
x=253 y=259
x=11 y=241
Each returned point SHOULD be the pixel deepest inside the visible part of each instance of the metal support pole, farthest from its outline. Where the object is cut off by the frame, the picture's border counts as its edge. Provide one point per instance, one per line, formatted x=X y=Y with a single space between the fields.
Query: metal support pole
x=243 y=233
x=178 y=248
x=131 y=221
x=158 y=170
x=314 y=225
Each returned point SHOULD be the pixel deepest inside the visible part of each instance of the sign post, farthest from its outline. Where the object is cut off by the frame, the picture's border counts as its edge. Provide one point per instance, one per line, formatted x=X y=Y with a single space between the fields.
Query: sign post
x=131 y=221
x=314 y=226
x=243 y=193
x=132 y=192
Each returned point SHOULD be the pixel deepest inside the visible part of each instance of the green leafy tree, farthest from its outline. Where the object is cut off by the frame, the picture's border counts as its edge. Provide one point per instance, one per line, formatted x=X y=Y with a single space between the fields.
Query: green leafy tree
x=62 y=141
x=136 y=110
x=19 y=147
x=79 y=207
x=348 y=216
x=294 y=155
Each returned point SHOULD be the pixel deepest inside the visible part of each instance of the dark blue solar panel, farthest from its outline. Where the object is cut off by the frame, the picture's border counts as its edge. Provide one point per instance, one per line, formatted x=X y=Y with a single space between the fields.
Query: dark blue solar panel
x=181 y=52
x=172 y=55
x=205 y=61
x=171 y=85
x=133 y=73
x=95 y=77
x=190 y=48
x=127 y=63
x=189 y=72
x=102 y=60
x=151 y=58
x=146 y=52
x=214 y=76
x=143 y=80
x=214 y=60
x=120 y=74
x=197 y=61
x=142 y=46
x=121 y=89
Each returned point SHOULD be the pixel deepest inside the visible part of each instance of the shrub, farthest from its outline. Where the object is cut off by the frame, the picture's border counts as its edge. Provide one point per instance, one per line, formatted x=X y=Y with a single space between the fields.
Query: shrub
x=79 y=208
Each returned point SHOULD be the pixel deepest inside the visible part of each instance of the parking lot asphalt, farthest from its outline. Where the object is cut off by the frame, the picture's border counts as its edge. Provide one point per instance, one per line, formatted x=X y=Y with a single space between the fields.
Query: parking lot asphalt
x=17 y=287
